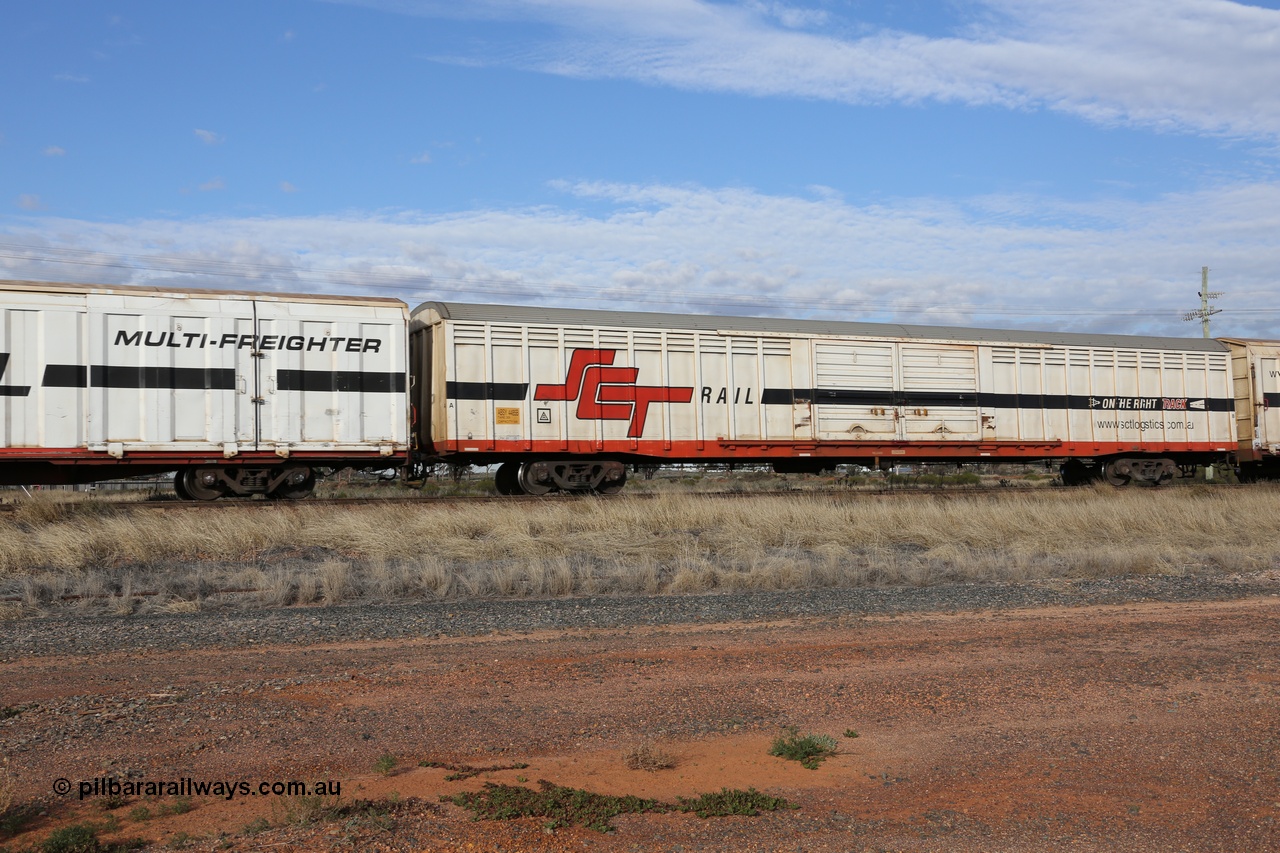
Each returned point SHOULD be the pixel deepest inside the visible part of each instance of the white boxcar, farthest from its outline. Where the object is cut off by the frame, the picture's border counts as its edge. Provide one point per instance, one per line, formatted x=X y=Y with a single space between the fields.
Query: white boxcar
x=243 y=392
x=569 y=397
x=1256 y=371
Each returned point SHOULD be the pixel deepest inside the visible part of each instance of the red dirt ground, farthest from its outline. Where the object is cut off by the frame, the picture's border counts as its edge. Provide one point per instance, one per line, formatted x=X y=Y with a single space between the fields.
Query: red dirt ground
x=1139 y=727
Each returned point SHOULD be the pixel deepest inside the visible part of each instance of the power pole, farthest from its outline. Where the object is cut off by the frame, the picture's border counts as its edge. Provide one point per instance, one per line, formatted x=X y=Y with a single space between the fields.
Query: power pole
x=1206 y=310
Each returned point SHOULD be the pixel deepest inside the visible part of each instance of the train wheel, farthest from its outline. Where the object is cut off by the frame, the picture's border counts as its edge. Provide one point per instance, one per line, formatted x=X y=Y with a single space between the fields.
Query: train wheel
x=612 y=487
x=201 y=484
x=300 y=484
x=178 y=488
x=507 y=479
x=529 y=480
x=1116 y=472
x=1075 y=473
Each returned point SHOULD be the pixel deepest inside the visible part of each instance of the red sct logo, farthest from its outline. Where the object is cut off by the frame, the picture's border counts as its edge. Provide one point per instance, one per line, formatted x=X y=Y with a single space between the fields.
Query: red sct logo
x=609 y=393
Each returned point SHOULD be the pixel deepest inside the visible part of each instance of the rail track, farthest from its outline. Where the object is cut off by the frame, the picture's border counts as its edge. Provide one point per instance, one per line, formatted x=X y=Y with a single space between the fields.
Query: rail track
x=267 y=505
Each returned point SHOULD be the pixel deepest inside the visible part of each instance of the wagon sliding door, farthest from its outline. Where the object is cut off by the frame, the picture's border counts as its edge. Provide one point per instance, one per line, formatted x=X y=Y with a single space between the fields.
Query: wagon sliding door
x=939 y=392
x=854 y=392
x=891 y=391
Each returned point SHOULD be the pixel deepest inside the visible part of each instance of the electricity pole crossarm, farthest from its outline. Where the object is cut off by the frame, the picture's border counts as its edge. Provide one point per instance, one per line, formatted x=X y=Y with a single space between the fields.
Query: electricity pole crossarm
x=1206 y=310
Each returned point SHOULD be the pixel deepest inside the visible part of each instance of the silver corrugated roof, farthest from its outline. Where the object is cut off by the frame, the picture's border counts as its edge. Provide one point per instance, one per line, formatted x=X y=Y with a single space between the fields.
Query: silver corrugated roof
x=714 y=322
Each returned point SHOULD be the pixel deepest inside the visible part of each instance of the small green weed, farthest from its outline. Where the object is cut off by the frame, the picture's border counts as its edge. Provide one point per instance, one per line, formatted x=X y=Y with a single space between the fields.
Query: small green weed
x=562 y=806
x=180 y=805
x=253 y=827
x=809 y=750
x=112 y=802
x=850 y=733
x=575 y=807
x=139 y=814
x=304 y=809
x=77 y=838
x=83 y=838
x=731 y=801
x=385 y=764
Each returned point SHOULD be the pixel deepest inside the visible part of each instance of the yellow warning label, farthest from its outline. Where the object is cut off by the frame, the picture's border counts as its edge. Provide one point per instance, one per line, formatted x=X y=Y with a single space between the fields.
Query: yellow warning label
x=505 y=415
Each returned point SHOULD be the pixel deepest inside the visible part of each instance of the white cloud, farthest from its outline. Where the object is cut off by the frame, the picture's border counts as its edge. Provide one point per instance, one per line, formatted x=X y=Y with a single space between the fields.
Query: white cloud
x=71 y=78
x=424 y=157
x=1207 y=66
x=287 y=187
x=29 y=201
x=212 y=184
x=54 y=151
x=1015 y=261
x=208 y=137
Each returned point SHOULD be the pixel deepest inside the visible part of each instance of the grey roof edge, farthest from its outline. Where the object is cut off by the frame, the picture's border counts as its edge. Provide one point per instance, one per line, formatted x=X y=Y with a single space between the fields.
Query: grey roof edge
x=26 y=286
x=588 y=318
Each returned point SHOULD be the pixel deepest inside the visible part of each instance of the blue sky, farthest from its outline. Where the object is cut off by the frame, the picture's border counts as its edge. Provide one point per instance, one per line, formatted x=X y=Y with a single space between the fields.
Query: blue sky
x=1002 y=163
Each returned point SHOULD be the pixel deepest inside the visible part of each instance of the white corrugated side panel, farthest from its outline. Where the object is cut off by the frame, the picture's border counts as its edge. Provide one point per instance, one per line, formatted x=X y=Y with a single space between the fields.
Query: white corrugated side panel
x=1266 y=365
x=38 y=330
x=330 y=375
x=546 y=422
x=157 y=378
x=470 y=419
x=169 y=371
x=1108 y=378
x=723 y=377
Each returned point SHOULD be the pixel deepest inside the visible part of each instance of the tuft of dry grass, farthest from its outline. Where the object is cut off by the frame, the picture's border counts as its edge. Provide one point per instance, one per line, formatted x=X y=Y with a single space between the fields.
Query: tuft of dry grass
x=313 y=555
x=646 y=756
x=8 y=786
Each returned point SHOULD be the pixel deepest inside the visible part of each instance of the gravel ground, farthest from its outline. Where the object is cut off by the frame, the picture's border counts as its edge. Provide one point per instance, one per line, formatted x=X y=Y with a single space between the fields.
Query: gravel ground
x=79 y=635
x=1136 y=713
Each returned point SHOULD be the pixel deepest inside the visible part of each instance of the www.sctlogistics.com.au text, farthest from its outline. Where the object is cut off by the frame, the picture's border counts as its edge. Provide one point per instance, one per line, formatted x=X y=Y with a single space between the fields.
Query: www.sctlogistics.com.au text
x=227 y=789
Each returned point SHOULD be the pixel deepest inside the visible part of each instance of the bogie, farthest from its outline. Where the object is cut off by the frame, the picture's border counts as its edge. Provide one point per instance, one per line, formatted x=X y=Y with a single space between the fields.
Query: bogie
x=209 y=484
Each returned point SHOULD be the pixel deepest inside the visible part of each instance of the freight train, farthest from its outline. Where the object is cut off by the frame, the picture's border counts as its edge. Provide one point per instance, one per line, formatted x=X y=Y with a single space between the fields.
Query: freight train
x=255 y=393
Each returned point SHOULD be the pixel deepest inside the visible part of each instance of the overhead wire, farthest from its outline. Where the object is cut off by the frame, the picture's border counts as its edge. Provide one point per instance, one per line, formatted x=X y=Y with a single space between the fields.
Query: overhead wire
x=433 y=285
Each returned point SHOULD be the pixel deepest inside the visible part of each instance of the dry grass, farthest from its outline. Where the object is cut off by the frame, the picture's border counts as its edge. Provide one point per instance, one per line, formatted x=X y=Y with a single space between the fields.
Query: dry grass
x=8 y=787
x=646 y=756
x=97 y=560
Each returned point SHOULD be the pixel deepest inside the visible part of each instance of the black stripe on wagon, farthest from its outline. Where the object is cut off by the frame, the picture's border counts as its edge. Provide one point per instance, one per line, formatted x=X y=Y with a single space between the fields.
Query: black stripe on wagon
x=65 y=376
x=486 y=390
x=154 y=376
x=1271 y=400
x=11 y=390
x=969 y=399
x=340 y=380
x=109 y=376
x=843 y=397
